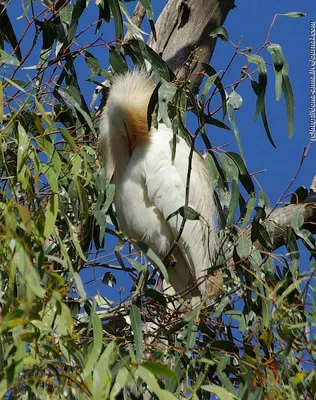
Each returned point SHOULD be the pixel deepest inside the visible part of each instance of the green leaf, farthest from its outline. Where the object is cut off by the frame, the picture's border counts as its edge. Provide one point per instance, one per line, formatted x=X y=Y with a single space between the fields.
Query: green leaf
x=65 y=15
x=75 y=240
x=294 y=14
x=1 y=103
x=78 y=9
x=153 y=258
x=147 y=7
x=278 y=63
x=255 y=87
x=117 y=61
x=80 y=286
x=94 y=66
x=136 y=323
x=277 y=56
x=221 y=368
x=51 y=215
x=222 y=393
x=233 y=203
x=97 y=341
x=166 y=93
x=44 y=115
x=259 y=232
x=244 y=176
x=250 y=208
x=70 y=94
x=288 y=291
x=192 y=330
x=231 y=118
x=186 y=212
x=51 y=175
x=215 y=170
x=18 y=84
x=215 y=122
x=160 y=369
x=118 y=20
x=140 y=49
x=289 y=101
x=229 y=166
x=51 y=152
x=102 y=376
x=297 y=220
x=146 y=4
x=260 y=88
x=24 y=143
x=156 y=296
x=21 y=261
x=189 y=213
x=104 y=13
x=210 y=71
x=220 y=32
x=208 y=84
x=292 y=248
x=235 y=100
x=101 y=214
x=150 y=380
x=123 y=377
x=244 y=246
x=7 y=31
x=49 y=37
x=63 y=320
x=67 y=137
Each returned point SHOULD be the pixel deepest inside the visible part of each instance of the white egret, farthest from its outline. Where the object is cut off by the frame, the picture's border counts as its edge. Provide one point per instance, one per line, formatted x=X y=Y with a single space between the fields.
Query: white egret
x=150 y=186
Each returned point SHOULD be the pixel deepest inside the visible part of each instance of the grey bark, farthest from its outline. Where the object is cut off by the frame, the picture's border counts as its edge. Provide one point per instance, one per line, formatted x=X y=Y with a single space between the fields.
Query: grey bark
x=185 y=25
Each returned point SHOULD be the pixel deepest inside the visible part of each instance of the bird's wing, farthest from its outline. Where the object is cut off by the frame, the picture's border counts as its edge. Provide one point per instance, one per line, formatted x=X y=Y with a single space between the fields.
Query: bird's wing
x=166 y=188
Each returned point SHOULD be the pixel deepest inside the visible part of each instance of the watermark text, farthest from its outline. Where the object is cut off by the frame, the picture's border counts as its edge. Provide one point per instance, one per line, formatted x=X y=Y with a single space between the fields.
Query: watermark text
x=312 y=61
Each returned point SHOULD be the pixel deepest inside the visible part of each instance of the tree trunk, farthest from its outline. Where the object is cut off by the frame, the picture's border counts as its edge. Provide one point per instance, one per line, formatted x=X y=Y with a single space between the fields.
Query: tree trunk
x=184 y=26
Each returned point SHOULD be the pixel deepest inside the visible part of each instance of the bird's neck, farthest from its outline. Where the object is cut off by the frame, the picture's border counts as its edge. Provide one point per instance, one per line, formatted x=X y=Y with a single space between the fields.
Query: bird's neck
x=123 y=149
x=121 y=155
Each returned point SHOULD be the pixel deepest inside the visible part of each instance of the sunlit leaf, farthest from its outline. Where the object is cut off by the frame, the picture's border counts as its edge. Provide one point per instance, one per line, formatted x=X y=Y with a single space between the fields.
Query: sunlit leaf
x=51 y=215
x=294 y=14
x=97 y=342
x=222 y=393
x=244 y=246
x=137 y=331
x=149 y=378
x=220 y=32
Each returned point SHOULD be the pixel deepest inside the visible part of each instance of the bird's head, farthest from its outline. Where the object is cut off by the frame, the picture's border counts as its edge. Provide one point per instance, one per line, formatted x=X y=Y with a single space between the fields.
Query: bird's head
x=125 y=120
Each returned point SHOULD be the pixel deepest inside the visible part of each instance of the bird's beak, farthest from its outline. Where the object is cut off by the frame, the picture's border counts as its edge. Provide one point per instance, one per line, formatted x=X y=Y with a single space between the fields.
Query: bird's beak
x=131 y=143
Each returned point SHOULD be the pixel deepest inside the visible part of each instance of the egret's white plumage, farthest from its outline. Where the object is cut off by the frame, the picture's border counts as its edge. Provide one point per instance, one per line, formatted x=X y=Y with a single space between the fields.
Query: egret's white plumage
x=150 y=187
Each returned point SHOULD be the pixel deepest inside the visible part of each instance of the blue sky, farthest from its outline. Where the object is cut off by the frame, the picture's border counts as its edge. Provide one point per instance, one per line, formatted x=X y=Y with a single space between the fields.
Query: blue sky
x=250 y=20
